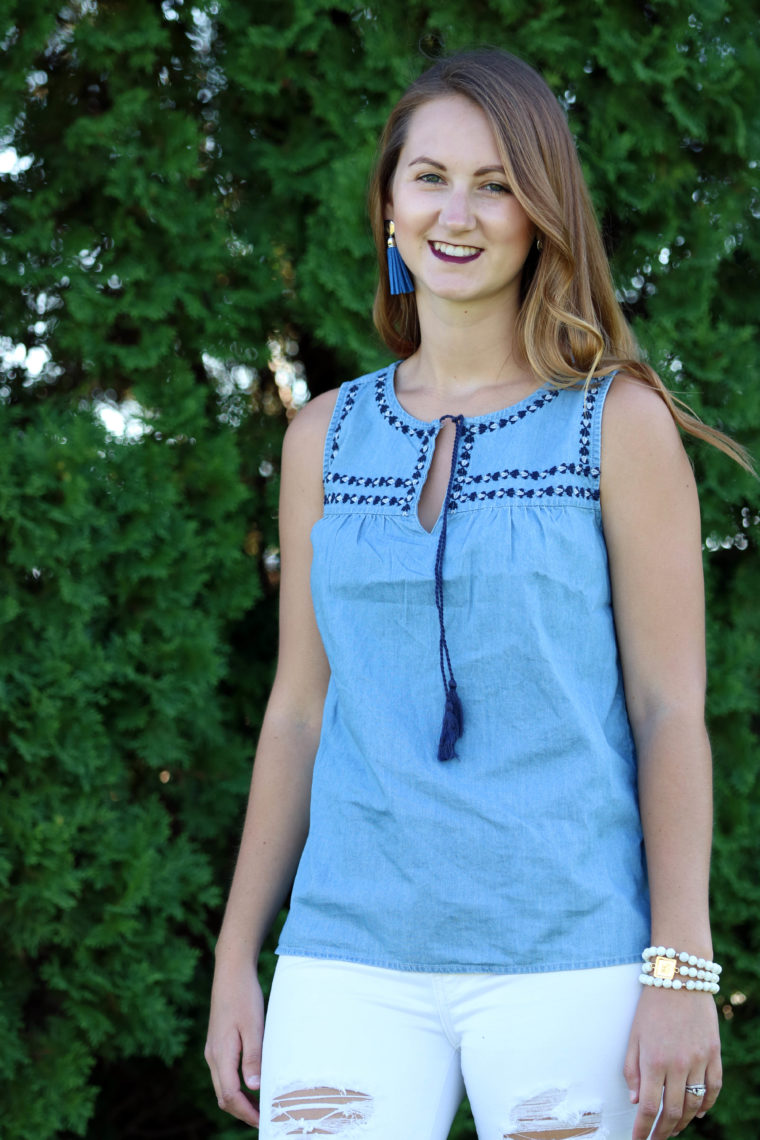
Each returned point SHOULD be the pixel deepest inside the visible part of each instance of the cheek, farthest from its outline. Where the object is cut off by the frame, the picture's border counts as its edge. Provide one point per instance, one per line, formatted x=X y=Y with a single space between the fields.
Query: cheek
x=523 y=229
x=412 y=218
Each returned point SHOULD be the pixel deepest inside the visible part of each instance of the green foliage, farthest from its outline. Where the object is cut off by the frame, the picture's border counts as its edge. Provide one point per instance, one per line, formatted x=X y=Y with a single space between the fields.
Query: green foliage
x=122 y=570
x=195 y=185
x=132 y=583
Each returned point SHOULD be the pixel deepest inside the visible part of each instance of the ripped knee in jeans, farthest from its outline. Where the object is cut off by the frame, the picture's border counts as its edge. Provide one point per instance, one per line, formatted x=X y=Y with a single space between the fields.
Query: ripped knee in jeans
x=319 y=1110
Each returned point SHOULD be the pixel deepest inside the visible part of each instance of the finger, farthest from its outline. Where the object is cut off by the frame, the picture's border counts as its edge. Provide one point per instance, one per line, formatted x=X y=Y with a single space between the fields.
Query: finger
x=714 y=1081
x=692 y=1103
x=237 y=1103
x=650 y=1101
x=251 y=1064
x=672 y=1106
x=632 y=1073
x=229 y=1095
x=211 y=1062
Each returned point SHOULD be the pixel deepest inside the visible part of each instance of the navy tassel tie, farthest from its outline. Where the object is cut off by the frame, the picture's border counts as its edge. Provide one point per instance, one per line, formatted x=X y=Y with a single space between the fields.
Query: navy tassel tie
x=398 y=274
x=451 y=729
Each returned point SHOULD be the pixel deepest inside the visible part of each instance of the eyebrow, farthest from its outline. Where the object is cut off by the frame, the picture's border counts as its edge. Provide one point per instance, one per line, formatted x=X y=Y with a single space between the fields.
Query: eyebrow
x=425 y=161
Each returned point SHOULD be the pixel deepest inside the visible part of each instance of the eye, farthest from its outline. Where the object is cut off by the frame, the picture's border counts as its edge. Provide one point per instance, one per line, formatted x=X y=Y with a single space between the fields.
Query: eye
x=497 y=188
x=431 y=178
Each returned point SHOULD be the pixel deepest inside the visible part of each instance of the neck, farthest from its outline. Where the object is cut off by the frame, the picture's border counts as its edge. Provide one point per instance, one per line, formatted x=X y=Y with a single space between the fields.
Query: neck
x=463 y=348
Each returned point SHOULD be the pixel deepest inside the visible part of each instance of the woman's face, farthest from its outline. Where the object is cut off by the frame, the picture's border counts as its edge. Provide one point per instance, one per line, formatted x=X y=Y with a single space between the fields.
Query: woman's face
x=461 y=232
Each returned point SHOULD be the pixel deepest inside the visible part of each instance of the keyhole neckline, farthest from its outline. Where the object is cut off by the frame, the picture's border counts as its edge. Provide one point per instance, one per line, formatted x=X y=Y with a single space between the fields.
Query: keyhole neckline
x=436 y=426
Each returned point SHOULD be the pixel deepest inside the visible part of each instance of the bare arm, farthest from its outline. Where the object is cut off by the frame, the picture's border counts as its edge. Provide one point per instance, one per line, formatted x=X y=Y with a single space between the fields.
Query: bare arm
x=277 y=818
x=651 y=523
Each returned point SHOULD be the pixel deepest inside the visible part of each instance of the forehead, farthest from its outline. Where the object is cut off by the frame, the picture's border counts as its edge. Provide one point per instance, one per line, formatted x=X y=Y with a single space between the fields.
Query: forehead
x=450 y=125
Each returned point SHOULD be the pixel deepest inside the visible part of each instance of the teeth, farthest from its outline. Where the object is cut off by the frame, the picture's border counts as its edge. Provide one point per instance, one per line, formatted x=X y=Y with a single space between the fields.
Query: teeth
x=455 y=250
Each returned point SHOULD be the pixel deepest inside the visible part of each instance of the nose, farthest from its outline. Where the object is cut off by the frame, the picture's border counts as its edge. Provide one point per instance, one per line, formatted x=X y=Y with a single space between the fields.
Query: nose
x=456 y=212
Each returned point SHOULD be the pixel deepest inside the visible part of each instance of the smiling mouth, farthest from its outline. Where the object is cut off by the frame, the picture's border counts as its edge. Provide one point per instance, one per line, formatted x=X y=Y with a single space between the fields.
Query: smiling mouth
x=460 y=253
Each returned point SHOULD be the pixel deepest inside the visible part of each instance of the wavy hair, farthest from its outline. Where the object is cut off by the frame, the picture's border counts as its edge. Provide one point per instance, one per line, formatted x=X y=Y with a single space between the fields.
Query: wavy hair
x=570 y=327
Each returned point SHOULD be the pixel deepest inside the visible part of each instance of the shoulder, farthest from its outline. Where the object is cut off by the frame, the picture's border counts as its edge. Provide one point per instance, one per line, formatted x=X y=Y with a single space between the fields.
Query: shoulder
x=312 y=420
x=638 y=429
x=302 y=455
x=305 y=437
x=644 y=464
x=307 y=432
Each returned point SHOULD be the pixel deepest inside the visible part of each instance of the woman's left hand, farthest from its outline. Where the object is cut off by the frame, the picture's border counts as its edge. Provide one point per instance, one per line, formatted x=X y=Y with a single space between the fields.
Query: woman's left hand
x=674 y=1042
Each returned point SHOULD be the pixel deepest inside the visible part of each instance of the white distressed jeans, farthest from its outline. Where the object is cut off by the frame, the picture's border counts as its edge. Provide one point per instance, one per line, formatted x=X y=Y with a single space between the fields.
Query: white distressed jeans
x=359 y=1051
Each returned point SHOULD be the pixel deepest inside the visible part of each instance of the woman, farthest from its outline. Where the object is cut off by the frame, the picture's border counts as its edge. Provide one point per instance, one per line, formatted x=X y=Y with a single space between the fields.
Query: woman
x=505 y=531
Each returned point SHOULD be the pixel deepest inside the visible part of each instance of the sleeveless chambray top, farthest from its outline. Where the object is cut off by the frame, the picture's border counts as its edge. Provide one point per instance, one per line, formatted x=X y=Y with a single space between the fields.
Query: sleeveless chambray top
x=524 y=853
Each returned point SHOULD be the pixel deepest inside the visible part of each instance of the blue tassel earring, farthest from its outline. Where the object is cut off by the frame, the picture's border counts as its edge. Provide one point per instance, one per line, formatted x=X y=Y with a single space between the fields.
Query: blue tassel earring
x=398 y=274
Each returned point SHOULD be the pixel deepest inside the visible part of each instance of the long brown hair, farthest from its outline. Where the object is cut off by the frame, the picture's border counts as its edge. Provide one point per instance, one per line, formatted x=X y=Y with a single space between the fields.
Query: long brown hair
x=570 y=327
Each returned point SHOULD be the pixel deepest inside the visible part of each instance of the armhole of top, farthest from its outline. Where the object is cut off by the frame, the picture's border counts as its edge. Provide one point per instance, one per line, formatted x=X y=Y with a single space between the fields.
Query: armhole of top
x=596 y=425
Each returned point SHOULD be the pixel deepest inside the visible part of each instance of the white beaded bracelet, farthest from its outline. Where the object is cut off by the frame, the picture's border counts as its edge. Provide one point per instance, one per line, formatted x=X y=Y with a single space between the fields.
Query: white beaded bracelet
x=665 y=967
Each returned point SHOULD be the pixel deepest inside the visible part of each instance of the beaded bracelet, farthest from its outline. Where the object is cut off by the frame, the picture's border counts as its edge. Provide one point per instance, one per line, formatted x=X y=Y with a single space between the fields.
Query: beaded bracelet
x=661 y=968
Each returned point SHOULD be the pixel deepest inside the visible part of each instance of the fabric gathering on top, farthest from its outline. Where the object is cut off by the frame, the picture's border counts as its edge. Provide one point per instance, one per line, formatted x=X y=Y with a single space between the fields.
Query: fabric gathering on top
x=523 y=852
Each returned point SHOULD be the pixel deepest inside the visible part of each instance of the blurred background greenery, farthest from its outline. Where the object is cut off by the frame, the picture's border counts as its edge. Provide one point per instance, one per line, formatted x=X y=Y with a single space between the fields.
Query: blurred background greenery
x=185 y=256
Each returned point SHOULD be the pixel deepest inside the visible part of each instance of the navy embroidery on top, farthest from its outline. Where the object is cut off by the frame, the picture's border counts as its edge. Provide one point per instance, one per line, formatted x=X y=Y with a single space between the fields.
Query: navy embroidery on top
x=461 y=492
x=544 y=397
x=390 y=416
x=589 y=403
x=557 y=469
x=581 y=469
x=354 y=498
x=369 y=480
x=347 y=406
x=558 y=490
x=504 y=421
x=464 y=479
x=366 y=500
